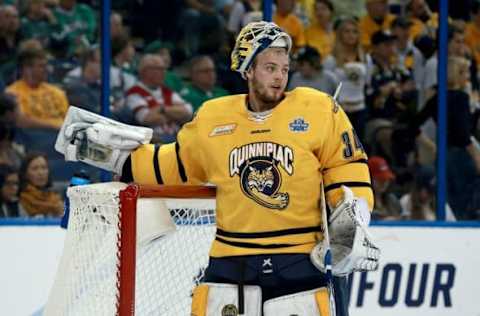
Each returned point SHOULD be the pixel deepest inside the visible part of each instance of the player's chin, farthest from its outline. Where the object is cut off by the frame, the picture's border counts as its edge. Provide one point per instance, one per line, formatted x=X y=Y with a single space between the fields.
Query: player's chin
x=275 y=94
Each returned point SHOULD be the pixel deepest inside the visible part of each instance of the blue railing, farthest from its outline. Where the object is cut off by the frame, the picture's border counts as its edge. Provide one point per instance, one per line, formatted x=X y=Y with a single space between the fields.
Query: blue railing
x=458 y=224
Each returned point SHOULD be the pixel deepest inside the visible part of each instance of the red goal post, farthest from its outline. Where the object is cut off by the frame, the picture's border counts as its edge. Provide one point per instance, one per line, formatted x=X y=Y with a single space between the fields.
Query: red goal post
x=133 y=250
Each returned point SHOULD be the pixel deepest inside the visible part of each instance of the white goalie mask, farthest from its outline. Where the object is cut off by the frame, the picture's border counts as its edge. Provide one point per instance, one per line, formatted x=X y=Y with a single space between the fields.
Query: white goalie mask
x=253 y=39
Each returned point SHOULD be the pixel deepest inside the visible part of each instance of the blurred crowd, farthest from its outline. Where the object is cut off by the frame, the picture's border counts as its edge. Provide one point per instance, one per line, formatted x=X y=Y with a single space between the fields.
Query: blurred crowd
x=168 y=57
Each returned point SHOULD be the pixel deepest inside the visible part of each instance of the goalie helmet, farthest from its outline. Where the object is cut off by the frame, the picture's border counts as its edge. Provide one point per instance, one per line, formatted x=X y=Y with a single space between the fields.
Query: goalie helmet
x=253 y=39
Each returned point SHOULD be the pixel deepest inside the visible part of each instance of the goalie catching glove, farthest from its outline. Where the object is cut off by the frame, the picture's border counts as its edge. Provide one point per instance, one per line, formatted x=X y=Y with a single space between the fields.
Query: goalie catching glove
x=97 y=140
x=352 y=247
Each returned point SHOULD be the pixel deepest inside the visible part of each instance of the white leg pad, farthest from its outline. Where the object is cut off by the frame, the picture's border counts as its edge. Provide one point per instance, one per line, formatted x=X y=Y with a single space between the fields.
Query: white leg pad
x=214 y=299
x=309 y=303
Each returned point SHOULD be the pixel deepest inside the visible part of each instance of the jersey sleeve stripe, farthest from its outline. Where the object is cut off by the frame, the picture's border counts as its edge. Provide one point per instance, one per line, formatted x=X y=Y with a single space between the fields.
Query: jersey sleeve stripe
x=347 y=184
x=156 y=165
x=127 y=175
x=277 y=233
x=181 y=168
x=253 y=245
x=364 y=161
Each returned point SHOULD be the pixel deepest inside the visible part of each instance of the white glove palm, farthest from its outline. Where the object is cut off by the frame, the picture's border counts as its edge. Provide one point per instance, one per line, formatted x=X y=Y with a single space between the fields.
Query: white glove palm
x=352 y=247
x=97 y=140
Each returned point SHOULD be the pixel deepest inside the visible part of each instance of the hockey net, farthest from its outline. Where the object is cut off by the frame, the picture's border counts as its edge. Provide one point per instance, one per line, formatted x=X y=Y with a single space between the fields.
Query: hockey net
x=125 y=253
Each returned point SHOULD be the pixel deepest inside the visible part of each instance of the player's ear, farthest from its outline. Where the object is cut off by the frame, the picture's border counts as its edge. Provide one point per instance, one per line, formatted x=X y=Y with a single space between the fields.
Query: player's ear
x=249 y=73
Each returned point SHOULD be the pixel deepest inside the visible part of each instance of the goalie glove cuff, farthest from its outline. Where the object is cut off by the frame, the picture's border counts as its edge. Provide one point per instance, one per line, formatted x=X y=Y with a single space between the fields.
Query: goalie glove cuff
x=99 y=141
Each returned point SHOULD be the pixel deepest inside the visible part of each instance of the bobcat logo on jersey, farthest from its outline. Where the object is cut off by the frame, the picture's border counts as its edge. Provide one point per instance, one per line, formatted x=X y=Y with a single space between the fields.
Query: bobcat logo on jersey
x=257 y=166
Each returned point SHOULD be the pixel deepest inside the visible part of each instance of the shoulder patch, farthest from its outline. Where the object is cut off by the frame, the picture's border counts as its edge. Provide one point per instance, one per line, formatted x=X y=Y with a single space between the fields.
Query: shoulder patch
x=223 y=130
x=298 y=125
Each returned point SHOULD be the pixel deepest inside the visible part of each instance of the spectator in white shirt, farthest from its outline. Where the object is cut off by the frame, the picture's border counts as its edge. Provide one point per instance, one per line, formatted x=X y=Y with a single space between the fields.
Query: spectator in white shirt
x=349 y=63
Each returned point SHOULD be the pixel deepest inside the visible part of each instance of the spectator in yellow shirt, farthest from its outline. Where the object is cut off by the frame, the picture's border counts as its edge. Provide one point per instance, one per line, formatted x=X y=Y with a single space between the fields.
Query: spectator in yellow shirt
x=472 y=32
x=289 y=22
x=307 y=10
x=424 y=21
x=377 y=18
x=41 y=105
x=320 y=33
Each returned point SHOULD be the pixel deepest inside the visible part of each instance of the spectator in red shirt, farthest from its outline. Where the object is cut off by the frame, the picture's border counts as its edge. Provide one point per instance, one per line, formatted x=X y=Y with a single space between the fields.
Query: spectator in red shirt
x=151 y=103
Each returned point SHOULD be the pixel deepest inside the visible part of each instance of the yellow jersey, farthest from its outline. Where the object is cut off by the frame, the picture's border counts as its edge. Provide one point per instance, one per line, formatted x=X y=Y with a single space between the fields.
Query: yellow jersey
x=267 y=170
x=46 y=102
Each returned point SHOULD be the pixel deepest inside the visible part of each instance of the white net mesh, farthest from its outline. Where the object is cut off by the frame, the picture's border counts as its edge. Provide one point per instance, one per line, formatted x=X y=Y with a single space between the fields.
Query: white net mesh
x=168 y=265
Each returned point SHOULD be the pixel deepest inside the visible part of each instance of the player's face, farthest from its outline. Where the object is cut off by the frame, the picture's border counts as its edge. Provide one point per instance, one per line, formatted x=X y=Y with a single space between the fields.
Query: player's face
x=268 y=77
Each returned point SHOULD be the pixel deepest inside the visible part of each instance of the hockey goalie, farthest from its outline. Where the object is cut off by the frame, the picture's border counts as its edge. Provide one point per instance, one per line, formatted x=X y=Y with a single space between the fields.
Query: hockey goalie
x=273 y=155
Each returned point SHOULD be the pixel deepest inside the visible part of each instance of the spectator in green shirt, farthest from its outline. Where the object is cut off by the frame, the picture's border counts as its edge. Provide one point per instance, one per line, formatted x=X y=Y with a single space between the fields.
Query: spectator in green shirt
x=38 y=22
x=77 y=23
x=203 y=82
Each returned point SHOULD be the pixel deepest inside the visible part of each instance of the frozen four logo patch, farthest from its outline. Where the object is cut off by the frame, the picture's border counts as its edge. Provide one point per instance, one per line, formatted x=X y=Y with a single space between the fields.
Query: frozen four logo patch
x=298 y=125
